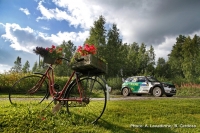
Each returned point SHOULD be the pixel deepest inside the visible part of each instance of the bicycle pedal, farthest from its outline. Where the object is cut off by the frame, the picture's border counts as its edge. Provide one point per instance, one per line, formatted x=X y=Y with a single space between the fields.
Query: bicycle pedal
x=56 y=108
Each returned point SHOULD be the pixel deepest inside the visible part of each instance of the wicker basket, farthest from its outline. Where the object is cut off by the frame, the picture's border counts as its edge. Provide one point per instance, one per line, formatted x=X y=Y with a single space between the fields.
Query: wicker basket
x=90 y=65
x=49 y=60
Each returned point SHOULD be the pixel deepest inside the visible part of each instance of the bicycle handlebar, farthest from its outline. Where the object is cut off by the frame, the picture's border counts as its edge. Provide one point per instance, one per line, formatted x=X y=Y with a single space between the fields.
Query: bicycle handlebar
x=64 y=59
x=77 y=59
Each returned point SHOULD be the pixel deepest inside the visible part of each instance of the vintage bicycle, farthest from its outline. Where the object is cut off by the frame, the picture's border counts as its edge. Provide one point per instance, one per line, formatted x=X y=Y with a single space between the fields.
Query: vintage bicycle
x=84 y=92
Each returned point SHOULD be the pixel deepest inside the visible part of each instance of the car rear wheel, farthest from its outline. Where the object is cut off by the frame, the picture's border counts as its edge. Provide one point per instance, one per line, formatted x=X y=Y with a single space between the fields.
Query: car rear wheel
x=125 y=92
x=157 y=92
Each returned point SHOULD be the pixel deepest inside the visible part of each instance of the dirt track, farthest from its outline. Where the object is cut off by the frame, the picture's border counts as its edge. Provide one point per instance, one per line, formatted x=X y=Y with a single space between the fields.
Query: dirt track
x=114 y=98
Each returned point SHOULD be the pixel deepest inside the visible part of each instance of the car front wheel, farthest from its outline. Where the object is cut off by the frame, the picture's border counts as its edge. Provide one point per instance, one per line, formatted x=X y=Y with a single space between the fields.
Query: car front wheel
x=125 y=92
x=157 y=92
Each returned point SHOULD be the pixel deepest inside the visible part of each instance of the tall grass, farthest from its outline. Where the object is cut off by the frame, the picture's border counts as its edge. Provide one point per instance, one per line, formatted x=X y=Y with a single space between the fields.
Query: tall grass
x=188 y=89
x=170 y=115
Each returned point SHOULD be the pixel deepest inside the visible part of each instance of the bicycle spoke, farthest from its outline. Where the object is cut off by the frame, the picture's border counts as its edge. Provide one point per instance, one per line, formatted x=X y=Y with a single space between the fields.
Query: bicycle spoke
x=27 y=90
x=94 y=100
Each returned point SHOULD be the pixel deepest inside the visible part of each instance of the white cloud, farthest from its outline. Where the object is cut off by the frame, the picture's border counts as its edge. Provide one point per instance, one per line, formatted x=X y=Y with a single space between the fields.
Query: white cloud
x=163 y=49
x=47 y=14
x=25 y=10
x=4 y=68
x=76 y=38
x=45 y=28
x=152 y=22
x=20 y=38
x=26 y=39
x=78 y=13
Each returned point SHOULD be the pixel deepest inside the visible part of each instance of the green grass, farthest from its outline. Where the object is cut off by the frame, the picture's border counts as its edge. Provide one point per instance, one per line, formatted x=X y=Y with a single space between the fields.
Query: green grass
x=119 y=117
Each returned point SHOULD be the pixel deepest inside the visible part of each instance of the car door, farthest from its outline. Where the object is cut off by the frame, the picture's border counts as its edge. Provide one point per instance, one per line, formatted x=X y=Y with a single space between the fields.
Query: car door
x=134 y=85
x=143 y=85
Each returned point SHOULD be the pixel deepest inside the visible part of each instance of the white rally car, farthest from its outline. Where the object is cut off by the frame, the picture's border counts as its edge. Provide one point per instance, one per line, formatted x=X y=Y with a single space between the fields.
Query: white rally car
x=147 y=85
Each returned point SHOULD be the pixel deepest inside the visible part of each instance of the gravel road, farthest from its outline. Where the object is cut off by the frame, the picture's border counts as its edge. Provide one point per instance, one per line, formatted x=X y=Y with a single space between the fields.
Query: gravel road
x=114 y=98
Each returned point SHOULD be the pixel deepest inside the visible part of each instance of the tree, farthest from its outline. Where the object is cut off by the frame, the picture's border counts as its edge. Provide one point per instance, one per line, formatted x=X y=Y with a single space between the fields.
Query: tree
x=130 y=56
x=17 y=65
x=150 y=61
x=114 y=51
x=98 y=36
x=142 y=59
x=26 y=67
x=68 y=49
x=163 y=69
x=35 y=66
x=190 y=53
x=176 y=58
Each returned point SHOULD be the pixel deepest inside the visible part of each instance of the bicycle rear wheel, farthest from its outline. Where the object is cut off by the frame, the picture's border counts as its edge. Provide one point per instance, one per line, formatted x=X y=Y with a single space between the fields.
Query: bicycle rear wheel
x=94 y=100
x=26 y=90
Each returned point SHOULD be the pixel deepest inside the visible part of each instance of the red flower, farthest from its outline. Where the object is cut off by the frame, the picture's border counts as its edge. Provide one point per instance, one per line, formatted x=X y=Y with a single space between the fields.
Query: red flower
x=92 y=49
x=53 y=46
x=87 y=49
x=80 y=48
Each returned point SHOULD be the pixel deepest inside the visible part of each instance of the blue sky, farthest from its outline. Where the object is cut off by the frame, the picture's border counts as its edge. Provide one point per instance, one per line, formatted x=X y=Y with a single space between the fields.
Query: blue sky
x=25 y=24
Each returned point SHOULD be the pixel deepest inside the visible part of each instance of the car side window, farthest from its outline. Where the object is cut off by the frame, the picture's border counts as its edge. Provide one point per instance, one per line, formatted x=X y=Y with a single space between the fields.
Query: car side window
x=134 y=79
x=141 y=79
x=128 y=80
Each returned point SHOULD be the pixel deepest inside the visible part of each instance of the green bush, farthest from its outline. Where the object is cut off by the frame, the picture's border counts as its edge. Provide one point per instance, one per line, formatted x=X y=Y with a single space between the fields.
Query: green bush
x=184 y=88
x=61 y=81
x=8 y=79
x=115 y=83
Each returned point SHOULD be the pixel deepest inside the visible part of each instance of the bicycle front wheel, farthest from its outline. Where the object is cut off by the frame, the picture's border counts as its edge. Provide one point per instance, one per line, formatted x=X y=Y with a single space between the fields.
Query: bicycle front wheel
x=93 y=104
x=28 y=90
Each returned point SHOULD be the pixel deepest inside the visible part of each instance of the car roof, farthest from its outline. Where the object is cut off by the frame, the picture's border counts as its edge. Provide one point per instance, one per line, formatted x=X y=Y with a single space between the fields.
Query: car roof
x=136 y=76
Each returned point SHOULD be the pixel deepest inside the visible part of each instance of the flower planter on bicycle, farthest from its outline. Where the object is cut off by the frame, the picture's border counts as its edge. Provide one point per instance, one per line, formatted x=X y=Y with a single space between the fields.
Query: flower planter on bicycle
x=90 y=63
x=82 y=95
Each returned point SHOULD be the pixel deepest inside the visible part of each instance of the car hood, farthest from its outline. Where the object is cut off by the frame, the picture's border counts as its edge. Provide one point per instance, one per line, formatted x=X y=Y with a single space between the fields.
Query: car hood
x=166 y=84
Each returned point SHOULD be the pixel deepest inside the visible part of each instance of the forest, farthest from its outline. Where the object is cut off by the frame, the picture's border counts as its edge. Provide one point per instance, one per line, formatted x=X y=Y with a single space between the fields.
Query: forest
x=131 y=59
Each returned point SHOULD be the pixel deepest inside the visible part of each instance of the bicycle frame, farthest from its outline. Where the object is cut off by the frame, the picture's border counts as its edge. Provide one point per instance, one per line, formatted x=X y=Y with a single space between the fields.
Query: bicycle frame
x=49 y=73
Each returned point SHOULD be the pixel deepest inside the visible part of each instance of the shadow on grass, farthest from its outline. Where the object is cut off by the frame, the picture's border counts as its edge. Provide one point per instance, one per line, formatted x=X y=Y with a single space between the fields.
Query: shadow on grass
x=121 y=129
x=107 y=125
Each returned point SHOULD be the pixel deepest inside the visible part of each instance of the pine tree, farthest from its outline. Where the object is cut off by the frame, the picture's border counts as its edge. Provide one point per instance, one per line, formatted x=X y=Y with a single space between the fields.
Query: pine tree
x=114 y=51
x=68 y=49
x=150 y=61
x=26 y=67
x=176 y=58
x=98 y=36
x=35 y=66
x=17 y=65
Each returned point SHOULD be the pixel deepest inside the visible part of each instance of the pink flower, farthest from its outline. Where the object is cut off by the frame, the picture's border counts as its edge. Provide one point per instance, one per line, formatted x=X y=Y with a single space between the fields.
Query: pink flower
x=50 y=51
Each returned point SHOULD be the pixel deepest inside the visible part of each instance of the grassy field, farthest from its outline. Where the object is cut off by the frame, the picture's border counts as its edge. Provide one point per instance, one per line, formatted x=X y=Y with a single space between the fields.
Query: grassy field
x=152 y=115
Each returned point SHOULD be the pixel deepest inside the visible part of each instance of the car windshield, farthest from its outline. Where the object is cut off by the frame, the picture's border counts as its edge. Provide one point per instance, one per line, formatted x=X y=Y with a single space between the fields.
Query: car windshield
x=152 y=79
